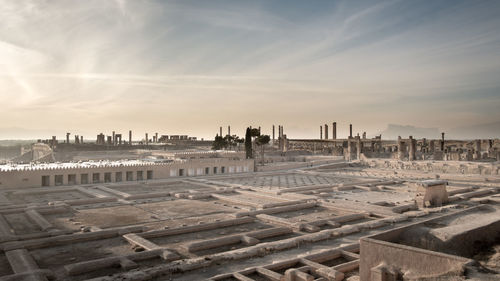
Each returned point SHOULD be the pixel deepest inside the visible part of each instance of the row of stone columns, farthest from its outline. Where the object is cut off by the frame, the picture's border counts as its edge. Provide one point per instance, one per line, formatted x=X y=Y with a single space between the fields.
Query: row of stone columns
x=326 y=131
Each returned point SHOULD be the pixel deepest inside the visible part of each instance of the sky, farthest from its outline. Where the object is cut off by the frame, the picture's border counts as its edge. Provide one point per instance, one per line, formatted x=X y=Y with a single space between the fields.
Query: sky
x=188 y=67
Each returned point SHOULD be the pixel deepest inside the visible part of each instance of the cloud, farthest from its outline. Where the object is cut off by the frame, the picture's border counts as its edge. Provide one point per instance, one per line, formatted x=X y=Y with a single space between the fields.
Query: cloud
x=196 y=65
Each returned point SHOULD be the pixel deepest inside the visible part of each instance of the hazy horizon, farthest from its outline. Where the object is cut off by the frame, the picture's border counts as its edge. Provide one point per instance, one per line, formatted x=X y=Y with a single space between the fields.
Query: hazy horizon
x=391 y=131
x=188 y=67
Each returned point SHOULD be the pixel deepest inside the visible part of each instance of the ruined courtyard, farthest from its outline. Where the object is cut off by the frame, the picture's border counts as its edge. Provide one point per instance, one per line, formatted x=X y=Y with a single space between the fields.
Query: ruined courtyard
x=286 y=224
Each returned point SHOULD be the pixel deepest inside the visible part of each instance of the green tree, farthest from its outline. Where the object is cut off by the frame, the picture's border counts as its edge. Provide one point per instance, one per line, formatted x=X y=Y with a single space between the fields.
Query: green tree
x=219 y=143
x=262 y=141
x=248 y=143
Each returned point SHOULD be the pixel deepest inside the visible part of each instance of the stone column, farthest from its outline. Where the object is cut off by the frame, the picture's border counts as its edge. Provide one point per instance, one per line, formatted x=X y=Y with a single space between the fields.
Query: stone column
x=273 y=134
x=156 y=137
x=442 y=141
x=320 y=132
x=114 y=138
x=364 y=135
x=67 y=137
x=350 y=130
x=349 y=149
x=147 y=139
x=359 y=146
x=220 y=133
x=412 y=149
x=334 y=130
x=478 y=149
x=81 y=139
x=130 y=137
x=401 y=153
x=228 y=130
x=326 y=131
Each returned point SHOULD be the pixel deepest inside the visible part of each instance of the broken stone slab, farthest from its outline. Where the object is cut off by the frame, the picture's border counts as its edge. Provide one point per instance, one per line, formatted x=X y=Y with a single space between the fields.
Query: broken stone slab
x=6 y=233
x=36 y=275
x=39 y=220
x=404 y=208
x=323 y=270
x=277 y=210
x=147 y=195
x=348 y=266
x=237 y=238
x=69 y=239
x=269 y=273
x=346 y=230
x=280 y=204
x=477 y=193
x=78 y=202
x=93 y=265
x=196 y=228
x=236 y=200
x=149 y=246
x=108 y=190
x=21 y=261
x=294 y=274
x=242 y=277
x=348 y=218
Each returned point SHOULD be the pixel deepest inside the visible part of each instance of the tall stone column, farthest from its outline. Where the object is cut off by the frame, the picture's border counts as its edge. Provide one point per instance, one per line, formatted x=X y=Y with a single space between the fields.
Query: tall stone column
x=350 y=130
x=114 y=138
x=130 y=137
x=412 y=149
x=147 y=139
x=320 y=132
x=334 y=130
x=359 y=147
x=220 y=131
x=326 y=131
x=349 y=149
x=401 y=152
x=67 y=137
x=442 y=142
x=228 y=130
x=478 y=149
x=273 y=134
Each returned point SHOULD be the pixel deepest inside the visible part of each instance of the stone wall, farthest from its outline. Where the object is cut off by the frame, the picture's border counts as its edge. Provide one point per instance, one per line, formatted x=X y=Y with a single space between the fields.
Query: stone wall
x=33 y=177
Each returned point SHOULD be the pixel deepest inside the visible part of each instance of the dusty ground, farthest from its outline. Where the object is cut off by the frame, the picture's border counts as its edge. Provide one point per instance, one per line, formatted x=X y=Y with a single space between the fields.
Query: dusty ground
x=172 y=213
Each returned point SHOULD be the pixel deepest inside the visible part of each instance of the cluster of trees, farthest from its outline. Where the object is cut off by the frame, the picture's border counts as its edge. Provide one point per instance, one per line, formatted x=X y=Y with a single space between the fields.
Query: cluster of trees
x=227 y=142
x=252 y=138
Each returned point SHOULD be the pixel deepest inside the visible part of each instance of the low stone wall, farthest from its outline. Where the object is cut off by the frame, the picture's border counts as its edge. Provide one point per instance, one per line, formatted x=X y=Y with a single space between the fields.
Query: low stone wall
x=297 y=165
x=446 y=167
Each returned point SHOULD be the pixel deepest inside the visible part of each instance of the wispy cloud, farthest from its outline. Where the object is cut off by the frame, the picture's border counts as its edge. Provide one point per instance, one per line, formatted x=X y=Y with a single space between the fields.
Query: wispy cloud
x=197 y=64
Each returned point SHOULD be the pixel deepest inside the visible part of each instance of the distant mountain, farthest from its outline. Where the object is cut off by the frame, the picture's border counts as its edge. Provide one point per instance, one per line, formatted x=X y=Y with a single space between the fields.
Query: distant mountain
x=16 y=133
x=394 y=130
x=480 y=131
